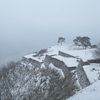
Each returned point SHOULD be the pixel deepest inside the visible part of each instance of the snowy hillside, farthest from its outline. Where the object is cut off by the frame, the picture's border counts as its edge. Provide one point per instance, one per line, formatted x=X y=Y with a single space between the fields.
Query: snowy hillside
x=73 y=54
x=89 y=93
x=55 y=73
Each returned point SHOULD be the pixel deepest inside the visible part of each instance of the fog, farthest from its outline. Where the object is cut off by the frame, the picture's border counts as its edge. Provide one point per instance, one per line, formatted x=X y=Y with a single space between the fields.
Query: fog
x=30 y=25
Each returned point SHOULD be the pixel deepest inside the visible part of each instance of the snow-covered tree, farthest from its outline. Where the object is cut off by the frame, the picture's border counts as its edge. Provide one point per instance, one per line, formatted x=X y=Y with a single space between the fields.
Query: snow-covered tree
x=20 y=81
x=82 y=41
x=61 y=40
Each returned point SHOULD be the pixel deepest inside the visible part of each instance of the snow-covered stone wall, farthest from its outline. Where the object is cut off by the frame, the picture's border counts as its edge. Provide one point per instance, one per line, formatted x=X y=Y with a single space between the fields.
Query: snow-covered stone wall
x=82 y=77
x=94 y=61
x=32 y=61
x=65 y=54
x=57 y=63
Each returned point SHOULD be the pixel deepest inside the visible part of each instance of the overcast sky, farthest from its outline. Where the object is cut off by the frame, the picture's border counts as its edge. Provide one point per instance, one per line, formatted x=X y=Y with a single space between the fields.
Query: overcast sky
x=30 y=25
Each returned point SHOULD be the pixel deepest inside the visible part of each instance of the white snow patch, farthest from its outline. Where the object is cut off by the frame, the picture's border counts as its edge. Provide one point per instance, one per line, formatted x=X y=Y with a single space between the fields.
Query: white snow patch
x=92 y=72
x=91 y=92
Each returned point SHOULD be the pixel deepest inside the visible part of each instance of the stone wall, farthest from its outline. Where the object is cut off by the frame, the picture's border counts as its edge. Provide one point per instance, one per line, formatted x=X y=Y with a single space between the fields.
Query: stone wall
x=65 y=54
x=32 y=61
x=71 y=68
x=82 y=77
x=57 y=63
x=94 y=61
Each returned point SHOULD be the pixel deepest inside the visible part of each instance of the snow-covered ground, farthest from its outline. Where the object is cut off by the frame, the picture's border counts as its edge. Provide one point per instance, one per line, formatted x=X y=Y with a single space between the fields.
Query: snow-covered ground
x=84 y=54
x=91 y=92
x=92 y=72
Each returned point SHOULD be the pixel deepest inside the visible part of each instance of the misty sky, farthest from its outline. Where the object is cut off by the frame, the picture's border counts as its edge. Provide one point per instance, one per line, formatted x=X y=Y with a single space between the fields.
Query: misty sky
x=30 y=25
